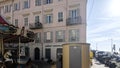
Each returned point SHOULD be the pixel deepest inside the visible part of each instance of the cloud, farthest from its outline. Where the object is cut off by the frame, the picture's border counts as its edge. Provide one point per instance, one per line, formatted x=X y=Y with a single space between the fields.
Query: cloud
x=103 y=27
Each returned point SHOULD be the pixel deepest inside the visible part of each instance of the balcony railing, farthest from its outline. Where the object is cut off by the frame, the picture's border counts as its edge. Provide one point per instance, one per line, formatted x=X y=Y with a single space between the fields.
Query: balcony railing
x=48 y=41
x=36 y=25
x=73 y=21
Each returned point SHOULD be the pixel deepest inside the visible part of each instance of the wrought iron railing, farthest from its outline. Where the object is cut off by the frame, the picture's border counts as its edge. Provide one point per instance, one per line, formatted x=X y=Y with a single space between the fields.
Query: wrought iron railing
x=73 y=20
x=36 y=25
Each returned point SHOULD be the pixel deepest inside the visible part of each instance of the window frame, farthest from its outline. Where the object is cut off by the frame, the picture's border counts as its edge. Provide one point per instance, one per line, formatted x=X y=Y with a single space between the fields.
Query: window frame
x=72 y=37
x=60 y=16
x=38 y=37
x=16 y=6
x=26 y=21
x=7 y=8
x=60 y=38
x=48 y=1
x=48 y=18
x=50 y=39
x=26 y=4
x=37 y=19
x=37 y=2
x=16 y=22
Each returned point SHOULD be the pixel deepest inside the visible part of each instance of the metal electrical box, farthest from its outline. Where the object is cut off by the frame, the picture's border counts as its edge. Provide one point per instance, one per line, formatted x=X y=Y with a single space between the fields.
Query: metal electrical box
x=76 y=55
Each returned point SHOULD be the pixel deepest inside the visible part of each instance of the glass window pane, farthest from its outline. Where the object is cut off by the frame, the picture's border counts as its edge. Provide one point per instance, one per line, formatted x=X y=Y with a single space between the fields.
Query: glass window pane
x=74 y=35
x=60 y=16
x=37 y=2
x=36 y=19
x=48 y=18
x=60 y=36
x=26 y=4
x=26 y=21
x=16 y=22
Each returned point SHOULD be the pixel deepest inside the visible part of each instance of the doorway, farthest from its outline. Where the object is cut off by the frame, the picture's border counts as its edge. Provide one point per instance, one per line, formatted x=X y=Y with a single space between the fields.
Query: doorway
x=37 y=54
x=48 y=53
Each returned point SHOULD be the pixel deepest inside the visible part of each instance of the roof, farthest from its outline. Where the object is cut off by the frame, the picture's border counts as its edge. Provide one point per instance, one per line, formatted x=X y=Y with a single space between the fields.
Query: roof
x=3 y=21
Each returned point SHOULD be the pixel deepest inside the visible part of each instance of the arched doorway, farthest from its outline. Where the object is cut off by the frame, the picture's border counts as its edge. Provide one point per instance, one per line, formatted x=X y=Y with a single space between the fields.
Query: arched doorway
x=37 y=54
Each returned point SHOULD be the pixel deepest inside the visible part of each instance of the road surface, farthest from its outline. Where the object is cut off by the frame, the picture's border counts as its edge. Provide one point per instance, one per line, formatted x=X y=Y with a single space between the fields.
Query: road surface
x=96 y=64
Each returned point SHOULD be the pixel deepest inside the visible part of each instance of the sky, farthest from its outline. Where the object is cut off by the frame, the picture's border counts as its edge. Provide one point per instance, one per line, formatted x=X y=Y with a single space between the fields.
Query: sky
x=103 y=24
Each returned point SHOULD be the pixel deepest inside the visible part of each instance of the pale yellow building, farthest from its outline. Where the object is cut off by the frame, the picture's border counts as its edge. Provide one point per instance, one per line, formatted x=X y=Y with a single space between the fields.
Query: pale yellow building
x=55 y=22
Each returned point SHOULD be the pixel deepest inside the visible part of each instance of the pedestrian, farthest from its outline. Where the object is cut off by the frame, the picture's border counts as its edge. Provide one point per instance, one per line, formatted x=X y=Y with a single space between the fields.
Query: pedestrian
x=14 y=56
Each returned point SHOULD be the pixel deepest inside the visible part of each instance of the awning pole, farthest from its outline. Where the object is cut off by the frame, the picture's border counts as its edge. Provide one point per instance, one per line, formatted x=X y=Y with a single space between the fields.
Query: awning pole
x=2 y=47
x=19 y=49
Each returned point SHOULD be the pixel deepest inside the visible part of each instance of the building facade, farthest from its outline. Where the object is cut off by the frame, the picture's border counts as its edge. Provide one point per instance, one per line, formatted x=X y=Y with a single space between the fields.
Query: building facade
x=55 y=22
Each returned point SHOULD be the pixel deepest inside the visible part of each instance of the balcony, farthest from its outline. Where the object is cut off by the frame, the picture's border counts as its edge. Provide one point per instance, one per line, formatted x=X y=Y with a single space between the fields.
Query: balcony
x=73 y=21
x=36 y=25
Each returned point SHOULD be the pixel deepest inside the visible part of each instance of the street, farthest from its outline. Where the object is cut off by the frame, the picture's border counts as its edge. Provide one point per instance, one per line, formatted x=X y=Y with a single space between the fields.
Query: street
x=96 y=64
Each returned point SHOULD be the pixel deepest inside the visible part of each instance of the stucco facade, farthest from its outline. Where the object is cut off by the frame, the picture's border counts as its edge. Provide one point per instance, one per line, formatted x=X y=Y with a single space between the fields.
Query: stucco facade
x=72 y=20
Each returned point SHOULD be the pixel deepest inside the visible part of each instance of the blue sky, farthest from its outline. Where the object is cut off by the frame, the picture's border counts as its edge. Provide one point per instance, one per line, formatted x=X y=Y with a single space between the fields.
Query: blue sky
x=103 y=24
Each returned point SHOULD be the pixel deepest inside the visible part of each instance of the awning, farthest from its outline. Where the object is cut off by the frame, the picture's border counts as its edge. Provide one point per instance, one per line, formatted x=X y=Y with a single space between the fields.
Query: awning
x=3 y=21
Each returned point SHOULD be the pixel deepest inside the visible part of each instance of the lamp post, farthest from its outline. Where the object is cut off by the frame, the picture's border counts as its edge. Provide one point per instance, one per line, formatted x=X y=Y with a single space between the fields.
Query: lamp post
x=111 y=45
x=96 y=46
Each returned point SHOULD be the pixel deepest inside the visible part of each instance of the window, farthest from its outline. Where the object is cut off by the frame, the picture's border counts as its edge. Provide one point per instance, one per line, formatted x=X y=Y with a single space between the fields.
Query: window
x=26 y=4
x=1 y=9
x=16 y=22
x=7 y=8
x=74 y=16
x=26 y=21
x=36 y=19
x=16 y=6
x=60 y=36
x=48 y=37
x=73 y=35
x=48 y=1
x=74 y=13
x=49 y=18
x=37 y=37
x=59 y=0
x=37 y=2
x=60 y=16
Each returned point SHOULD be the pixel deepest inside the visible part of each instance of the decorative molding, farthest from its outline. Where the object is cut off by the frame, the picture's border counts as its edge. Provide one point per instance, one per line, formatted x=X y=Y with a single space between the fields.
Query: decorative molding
x=75 y=5
x=8 y=17
x=48 y=10
x=26 y=14
x=37 y=12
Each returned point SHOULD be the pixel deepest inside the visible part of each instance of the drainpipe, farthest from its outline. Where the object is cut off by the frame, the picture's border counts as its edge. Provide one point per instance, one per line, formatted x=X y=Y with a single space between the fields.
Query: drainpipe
x=12 y=13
